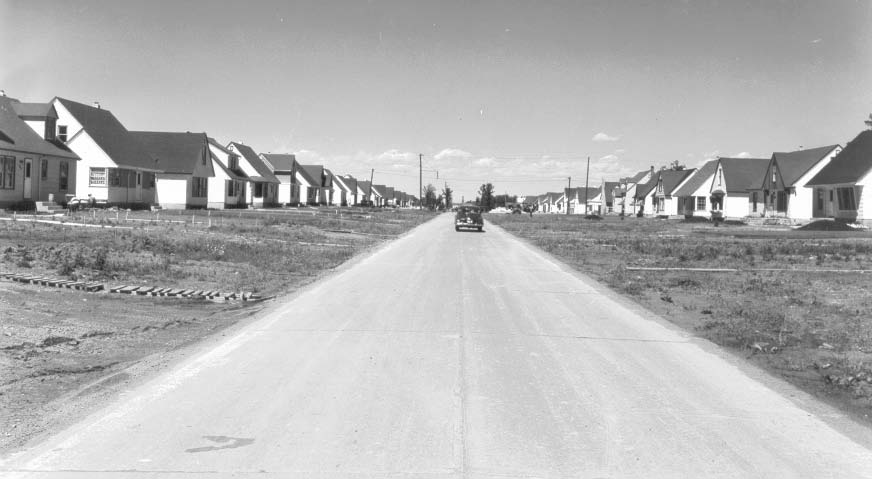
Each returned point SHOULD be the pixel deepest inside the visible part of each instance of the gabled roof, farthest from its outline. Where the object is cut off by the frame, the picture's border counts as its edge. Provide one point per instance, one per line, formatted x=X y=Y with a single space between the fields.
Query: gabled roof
x=700 y=178
x=582 y=193
x=233 y=174
x=673 y=178
x=643 y=189
x=351 y=182
x=263 y=171
x=380 y=190
x=609 y=187
x=238 y=173
x=850 y=165
x=15 y=135
x=366 y=187
x=111 y=136
x=174 y=152
x=793 y=165
x=742 y=174
x=344 y=184
x=35 y=111
x=312 y=174
x=635 y=178
x=281 y=161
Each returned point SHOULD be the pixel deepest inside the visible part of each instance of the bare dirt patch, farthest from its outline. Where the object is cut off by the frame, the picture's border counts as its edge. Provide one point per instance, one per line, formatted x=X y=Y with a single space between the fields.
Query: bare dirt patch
x=63 y=351
x=794 y=302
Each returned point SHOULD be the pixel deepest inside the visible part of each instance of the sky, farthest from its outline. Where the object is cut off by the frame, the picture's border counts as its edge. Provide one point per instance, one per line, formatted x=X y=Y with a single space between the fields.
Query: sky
x=516 y=93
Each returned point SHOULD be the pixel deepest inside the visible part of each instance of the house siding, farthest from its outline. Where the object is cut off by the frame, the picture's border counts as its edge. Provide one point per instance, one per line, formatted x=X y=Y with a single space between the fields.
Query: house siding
x=41 y=188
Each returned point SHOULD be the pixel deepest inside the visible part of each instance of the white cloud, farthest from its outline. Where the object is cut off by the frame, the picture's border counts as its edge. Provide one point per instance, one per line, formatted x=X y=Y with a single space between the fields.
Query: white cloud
x=620 y=151
x=487 y=161
x=609 y=157
x=817 y=40
x=395 y=155
x=743 y=154
x=601 y=136
x=450 y=153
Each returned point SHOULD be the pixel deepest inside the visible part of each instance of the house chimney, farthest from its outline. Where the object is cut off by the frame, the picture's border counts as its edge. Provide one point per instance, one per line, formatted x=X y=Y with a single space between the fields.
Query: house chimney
x=97 y=105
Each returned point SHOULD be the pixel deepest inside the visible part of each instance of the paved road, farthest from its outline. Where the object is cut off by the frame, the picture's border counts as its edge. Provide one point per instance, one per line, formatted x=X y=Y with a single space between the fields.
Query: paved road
x=450 y=355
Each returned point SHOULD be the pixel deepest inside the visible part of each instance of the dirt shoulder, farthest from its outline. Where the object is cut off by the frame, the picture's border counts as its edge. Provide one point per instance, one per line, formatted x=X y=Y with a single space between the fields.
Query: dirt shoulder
x=63 y=352
x=792 y=302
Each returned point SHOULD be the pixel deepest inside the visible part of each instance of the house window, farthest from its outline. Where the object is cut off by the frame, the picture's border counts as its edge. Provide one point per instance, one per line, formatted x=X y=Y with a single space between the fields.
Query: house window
x=754 y=202
x=62 y=133
x=232 y=162
x=846 y=198
x=43 y=169
x=64 y=176
x=97 y=177
x=7 y=172
x=700 y=203
x=820 y=199
x=199 y=187
x=231 y=188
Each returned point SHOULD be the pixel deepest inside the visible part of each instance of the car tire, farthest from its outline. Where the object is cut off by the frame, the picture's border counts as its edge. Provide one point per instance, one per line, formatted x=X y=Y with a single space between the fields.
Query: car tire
x=457 y=228
x=479 y=229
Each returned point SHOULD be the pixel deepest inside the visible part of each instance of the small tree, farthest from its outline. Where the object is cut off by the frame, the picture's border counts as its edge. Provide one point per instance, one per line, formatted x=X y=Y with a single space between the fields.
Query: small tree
x=447 y=195
x=430 y=199
x=486 y=196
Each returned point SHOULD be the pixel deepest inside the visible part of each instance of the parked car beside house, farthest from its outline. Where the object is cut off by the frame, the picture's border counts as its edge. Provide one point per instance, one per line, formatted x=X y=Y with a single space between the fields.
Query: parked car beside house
x=115 y=169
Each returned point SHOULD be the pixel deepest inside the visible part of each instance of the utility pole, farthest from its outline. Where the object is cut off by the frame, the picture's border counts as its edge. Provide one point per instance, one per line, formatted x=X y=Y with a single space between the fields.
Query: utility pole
x=369 y=194
x=568 y=192
x=421 y=180
x=586 y=176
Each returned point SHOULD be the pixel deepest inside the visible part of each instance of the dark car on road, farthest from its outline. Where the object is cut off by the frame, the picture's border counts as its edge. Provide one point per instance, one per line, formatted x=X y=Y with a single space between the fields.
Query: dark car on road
x=468 y=217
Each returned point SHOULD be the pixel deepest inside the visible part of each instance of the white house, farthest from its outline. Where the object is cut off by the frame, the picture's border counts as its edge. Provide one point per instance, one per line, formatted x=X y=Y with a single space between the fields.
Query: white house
x=664 y=201
x=734 y=178
x=284 y=167
x=115 y=168
x=348 y=185
x=33 y=166
x=263 y=190
x=783 y=191
x=693 y=195
x=228 y=188
x=186 y=166
x=628 y=203
x=843 y=188
x=580 y=201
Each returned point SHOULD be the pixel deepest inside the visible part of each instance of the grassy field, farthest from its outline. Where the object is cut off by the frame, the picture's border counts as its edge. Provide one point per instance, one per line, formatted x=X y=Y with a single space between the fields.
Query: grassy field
x=55 y=342
x=794 y=302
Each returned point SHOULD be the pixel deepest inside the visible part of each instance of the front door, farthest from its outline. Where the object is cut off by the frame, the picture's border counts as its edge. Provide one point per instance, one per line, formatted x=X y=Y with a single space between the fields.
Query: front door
x=28 y=181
